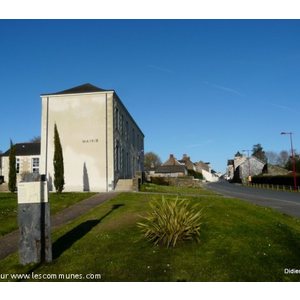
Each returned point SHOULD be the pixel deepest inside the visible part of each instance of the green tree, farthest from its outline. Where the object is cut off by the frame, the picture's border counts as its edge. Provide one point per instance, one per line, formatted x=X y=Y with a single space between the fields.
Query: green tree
x=12 y=176
x=259 y=153
x=289 y=163
x=58 y=163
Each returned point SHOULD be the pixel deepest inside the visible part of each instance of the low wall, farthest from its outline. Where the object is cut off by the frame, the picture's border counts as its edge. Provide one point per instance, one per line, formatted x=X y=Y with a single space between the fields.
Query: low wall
x=186 y=181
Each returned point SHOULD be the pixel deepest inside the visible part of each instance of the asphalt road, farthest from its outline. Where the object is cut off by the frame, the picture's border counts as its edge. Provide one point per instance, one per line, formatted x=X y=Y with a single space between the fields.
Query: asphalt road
x=284 y=202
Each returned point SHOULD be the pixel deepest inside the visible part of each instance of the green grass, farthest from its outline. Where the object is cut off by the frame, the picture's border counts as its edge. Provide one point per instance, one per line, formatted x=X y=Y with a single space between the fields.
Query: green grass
x=9 y=207
x=239 y=242
x=153 y=188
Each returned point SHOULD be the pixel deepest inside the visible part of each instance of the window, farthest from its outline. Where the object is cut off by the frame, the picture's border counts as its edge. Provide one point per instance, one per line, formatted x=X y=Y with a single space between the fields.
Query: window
x=117 y=118
x=126 y=131
x=122 y=124
x=35 y=165
x=133 y=137
x=117 y=157
x=127 y=164
x=122 y=161
x=133 y=166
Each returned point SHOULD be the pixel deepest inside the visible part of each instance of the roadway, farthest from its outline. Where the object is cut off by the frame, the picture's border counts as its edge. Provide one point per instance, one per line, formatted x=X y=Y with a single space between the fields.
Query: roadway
x=284 y=202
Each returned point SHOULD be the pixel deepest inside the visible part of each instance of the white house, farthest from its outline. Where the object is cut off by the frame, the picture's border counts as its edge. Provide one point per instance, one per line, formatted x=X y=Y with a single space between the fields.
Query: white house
x=207 y=173
x=101 y=142
x=27 y=160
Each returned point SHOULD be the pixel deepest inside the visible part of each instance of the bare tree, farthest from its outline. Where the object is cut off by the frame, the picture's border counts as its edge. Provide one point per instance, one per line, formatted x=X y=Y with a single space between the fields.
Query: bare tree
x=272 y=157
x=283 y=158
x=152 y=159
x=35 y=139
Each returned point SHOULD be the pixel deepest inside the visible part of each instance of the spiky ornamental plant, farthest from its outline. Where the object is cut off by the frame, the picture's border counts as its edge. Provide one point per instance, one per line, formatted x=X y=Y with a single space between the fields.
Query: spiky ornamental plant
x=171 y=221
x=12 y=176
x=58 y=163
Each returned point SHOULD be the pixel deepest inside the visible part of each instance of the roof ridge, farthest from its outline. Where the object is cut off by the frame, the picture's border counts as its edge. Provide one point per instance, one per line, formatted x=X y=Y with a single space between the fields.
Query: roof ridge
x=26 y=143
x=83 y=88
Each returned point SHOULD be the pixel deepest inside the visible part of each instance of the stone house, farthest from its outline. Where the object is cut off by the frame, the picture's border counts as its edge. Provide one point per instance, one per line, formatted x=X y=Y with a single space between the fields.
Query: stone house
x=202 y=166
x=171 y=168
x=179 y=168
x=27 y=160
x=101 y=141
x=232 y=164
x=186 y=160
x=239 y=168
x=251 y=167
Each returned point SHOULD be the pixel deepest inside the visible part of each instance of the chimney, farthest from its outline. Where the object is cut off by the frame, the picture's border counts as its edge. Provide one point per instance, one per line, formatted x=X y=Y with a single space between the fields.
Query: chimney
x=185 y=157
x=172 y=159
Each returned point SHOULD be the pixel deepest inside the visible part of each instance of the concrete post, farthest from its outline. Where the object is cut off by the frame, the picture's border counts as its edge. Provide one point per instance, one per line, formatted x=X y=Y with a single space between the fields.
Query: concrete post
x=34 y=220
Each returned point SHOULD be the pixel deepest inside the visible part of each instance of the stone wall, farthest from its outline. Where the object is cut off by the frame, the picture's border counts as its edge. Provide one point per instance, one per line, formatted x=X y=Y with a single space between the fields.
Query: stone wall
x=187 y=181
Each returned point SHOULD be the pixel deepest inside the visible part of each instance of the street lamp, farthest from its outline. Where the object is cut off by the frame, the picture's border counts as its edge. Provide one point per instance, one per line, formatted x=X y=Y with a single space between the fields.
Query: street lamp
x=293 y=159
x=249 y=172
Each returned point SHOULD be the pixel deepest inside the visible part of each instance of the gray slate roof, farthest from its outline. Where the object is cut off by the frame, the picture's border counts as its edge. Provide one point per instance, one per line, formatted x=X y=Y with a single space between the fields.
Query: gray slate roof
x=171 y=169
x=25 y=149
x=85 y=88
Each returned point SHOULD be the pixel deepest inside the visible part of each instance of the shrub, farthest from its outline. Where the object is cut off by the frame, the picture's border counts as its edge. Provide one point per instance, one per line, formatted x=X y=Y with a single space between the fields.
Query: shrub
x=196 y=175
x=171 y=221
x=160 y=181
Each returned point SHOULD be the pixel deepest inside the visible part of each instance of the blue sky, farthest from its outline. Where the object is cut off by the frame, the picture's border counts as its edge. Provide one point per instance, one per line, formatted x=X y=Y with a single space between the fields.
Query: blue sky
x=205 y=88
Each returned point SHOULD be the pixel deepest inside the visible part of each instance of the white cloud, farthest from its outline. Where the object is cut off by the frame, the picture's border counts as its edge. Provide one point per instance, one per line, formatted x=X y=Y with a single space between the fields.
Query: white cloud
x=161 y=69
x=200 y=144
x=285 y=108
x=224 y=88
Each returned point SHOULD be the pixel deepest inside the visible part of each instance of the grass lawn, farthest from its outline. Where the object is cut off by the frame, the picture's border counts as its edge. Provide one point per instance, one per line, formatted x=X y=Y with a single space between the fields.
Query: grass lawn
x=9 y=207
x=239 y=242
x=153 y=188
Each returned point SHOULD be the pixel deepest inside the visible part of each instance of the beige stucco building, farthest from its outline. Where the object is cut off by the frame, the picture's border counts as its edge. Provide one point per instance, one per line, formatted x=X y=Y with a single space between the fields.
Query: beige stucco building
x=101 y=142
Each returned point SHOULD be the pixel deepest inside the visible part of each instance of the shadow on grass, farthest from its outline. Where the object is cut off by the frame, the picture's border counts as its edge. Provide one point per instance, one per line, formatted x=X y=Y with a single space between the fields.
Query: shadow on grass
x=67 y=240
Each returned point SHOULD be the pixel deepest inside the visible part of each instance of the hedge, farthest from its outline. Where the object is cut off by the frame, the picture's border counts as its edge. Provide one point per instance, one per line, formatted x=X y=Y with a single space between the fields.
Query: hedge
x=279 y=179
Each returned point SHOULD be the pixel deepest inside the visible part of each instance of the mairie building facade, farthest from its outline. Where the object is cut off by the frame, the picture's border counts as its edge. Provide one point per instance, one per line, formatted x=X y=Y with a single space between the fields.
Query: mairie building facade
x=101 y=142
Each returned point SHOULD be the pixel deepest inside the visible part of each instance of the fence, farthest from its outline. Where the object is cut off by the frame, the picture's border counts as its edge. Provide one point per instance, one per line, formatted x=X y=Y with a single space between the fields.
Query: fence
x=277 y=187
